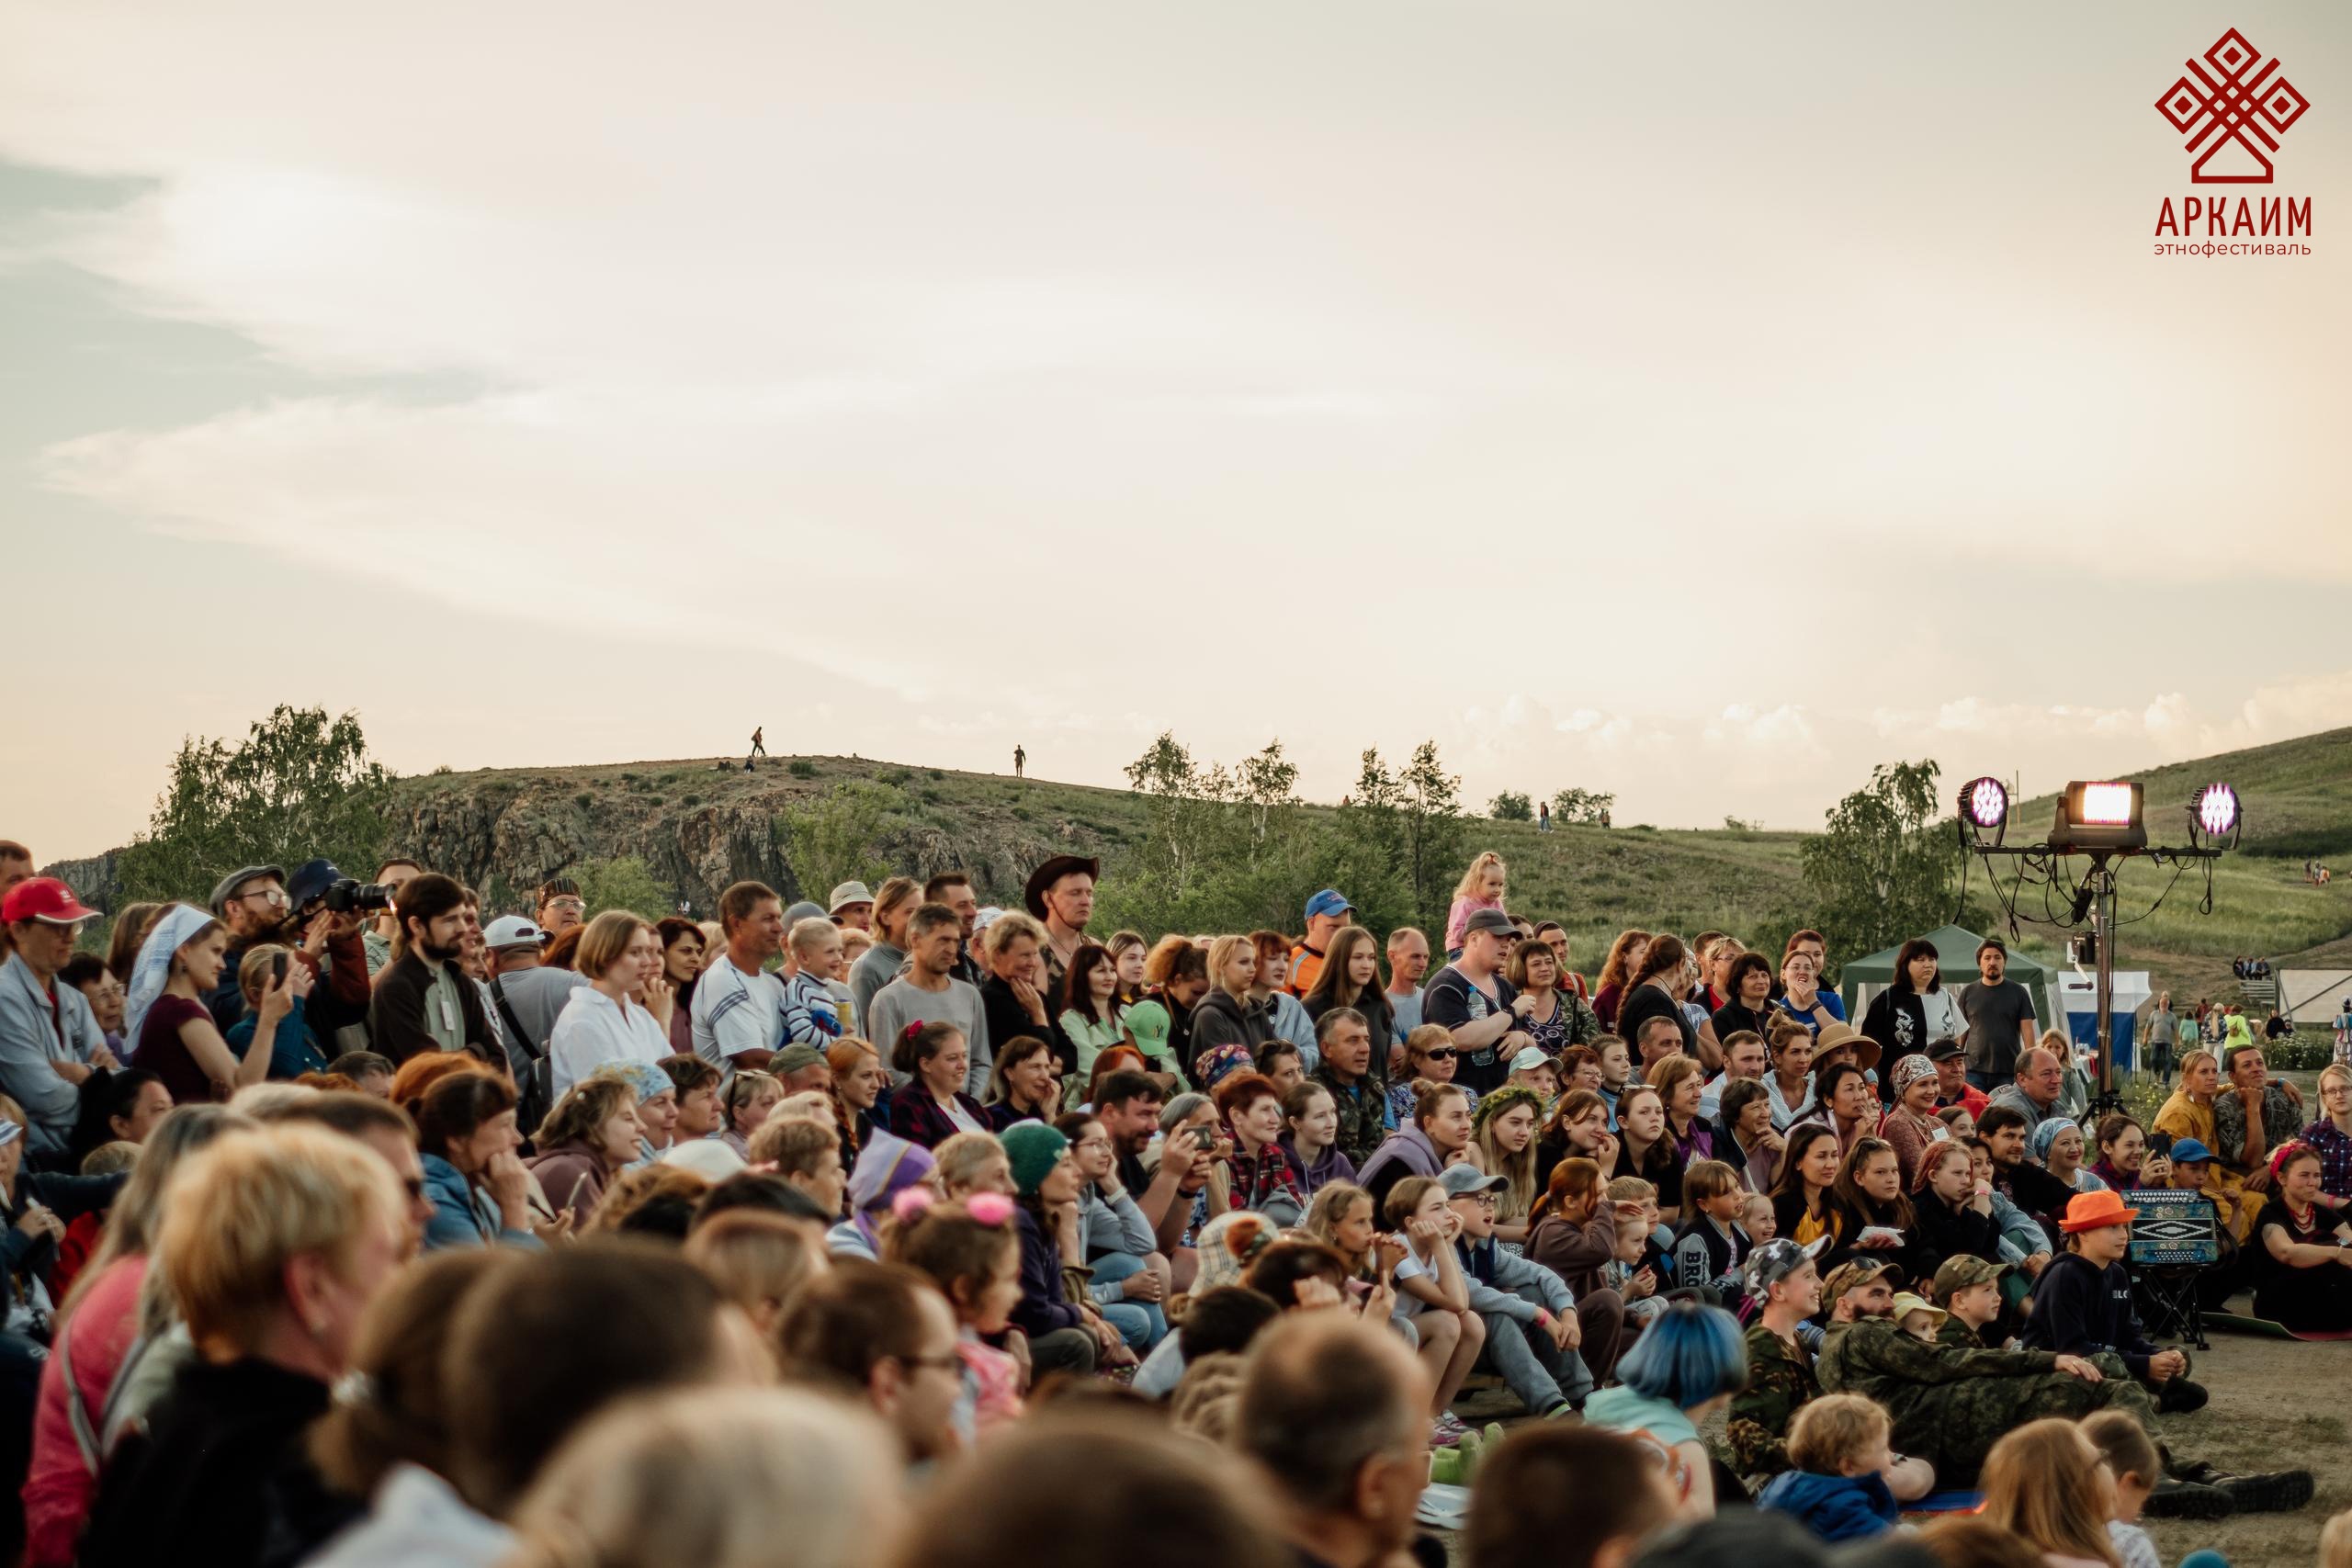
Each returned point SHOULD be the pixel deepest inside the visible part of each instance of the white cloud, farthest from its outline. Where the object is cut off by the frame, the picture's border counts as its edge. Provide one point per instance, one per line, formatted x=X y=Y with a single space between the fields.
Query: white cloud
x=1041 y=361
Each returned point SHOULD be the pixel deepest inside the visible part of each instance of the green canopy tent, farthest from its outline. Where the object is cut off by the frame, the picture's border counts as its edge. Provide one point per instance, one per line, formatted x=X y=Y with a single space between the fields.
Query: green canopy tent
x=1863 y=978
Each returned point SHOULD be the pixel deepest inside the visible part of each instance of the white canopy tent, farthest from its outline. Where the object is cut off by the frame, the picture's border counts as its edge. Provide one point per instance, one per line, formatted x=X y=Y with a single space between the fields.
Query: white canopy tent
x=2078 y=993
x=2312 y=996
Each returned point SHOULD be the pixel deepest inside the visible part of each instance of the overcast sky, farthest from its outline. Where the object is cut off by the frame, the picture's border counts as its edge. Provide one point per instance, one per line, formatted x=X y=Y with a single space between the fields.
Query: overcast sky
x=1701 y=402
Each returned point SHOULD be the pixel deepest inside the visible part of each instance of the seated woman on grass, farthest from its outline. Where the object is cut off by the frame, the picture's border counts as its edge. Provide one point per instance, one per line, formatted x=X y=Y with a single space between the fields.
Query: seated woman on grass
x=2303 y=1272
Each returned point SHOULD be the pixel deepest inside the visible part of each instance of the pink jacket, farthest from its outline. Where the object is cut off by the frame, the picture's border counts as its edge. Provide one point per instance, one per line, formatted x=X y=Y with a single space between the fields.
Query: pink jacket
x=59 y=1486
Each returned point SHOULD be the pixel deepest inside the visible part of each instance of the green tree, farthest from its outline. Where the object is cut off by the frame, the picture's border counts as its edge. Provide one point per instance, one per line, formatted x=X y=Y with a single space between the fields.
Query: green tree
x=1581 y=806
x=1511 y=805
x=299 y=785
x=1233 y=850
x=624 y=883
x=832 y=839
x=1430 y=812
x=1878 y=872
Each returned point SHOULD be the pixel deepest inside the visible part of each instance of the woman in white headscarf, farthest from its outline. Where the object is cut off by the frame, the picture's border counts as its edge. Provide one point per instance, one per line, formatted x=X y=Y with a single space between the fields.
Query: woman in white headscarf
x=170 y=1031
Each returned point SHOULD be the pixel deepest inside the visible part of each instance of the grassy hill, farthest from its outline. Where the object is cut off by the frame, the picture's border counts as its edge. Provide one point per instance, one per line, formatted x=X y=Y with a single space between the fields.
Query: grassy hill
x=696 y=824
x=2298 y=797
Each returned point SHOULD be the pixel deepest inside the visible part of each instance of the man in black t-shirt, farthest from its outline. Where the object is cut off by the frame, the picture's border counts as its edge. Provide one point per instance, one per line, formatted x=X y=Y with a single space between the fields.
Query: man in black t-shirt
x=1478 y=1006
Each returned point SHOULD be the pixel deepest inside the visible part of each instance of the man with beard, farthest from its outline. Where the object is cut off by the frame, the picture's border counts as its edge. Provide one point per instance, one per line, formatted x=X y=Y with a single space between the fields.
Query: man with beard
x=250 y=902
x=422 y=1001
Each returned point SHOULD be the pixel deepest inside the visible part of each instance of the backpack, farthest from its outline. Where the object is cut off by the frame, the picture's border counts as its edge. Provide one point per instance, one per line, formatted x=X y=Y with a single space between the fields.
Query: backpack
x=534 y=1070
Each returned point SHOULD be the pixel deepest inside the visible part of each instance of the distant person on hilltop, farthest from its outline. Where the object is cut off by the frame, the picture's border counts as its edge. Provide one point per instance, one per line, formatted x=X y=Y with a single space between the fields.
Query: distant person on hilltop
x=759 y=744
x=1020 y=759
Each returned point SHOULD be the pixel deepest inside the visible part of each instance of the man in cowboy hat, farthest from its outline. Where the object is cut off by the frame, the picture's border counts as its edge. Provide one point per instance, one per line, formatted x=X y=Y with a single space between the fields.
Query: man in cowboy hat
x=2081 y=1303
x=1061 y=894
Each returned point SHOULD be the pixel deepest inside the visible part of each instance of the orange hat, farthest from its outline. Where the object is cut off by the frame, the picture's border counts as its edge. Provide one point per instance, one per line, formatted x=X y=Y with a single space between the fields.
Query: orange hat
x=2096 y=1211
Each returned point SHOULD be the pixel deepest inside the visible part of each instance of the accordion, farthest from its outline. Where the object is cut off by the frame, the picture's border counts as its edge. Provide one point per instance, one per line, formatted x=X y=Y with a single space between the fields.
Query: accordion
x=2177 y=1229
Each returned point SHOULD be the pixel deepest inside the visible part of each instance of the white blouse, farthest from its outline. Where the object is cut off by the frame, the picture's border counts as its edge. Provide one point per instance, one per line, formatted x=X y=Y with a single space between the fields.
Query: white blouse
x=593 y=1029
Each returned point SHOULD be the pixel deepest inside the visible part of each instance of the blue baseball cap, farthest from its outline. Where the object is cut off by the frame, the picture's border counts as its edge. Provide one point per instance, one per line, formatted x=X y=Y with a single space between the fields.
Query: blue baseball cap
x=2186 y=1149
x=1331 y=901
x=309 y=881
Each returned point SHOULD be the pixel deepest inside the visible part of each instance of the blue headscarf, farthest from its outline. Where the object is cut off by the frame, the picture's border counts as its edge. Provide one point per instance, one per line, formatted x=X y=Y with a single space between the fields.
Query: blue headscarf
x=644 y=1077
x=153 y=970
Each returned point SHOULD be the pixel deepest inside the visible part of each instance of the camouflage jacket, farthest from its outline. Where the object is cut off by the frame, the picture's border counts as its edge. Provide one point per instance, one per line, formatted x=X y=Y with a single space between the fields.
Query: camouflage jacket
x=1957 y=1335
x=1780 y=1381
x=1362 y=1109
x=1950 y=1405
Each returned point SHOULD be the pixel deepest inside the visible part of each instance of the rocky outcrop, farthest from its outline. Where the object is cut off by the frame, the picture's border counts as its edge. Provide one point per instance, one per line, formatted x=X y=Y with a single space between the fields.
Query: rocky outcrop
x=94 y=881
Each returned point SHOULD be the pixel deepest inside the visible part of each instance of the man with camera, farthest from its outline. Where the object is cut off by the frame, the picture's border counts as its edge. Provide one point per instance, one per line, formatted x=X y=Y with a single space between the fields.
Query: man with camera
x=329 y=933
x=390 y=877
x=317 y=916
x=422 y=1001
x=322 y=915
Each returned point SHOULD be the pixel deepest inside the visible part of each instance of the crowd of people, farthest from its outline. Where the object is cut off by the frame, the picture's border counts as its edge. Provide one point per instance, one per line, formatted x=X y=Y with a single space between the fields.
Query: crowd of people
x=355 y=1224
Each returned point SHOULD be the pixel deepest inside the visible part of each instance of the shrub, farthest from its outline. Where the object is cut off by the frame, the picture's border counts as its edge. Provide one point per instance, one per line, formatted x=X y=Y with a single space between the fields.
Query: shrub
x=801 y=768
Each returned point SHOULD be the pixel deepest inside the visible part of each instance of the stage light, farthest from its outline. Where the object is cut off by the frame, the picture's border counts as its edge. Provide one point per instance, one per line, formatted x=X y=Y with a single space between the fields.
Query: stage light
x=2107 y=804
x=2214 y=816
x=1985 y=803
x=1983 y=811
x=2217 y=809
x=2099 y=816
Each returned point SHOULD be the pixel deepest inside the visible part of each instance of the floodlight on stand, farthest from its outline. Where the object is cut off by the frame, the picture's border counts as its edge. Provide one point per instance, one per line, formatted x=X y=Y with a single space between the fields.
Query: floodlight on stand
x=2099 y=816
x=2214 y=816
x=1985 y=809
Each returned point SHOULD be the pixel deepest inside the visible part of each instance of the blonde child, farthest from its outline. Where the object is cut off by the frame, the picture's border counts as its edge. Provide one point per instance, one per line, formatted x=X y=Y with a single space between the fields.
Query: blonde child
x=1481 y=887
x=1917 y=1317
x=1630 y=1271
x=1755 y=1217
x=1838 y=1453
x=2132 y=1460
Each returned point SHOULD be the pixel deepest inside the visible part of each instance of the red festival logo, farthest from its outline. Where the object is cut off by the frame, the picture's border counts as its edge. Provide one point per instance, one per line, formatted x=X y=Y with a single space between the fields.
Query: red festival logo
x=2232 y=107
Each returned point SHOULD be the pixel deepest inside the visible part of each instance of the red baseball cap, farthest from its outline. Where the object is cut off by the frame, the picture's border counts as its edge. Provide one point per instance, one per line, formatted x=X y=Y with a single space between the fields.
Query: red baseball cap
x=44 y=898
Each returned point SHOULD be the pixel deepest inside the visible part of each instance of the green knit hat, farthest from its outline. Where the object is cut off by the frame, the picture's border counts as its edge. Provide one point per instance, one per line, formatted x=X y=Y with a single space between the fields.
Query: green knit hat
x=1031 y=1148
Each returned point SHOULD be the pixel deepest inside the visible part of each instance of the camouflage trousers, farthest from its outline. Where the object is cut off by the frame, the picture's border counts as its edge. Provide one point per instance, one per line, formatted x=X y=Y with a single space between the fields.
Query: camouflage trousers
x=1954 y=1426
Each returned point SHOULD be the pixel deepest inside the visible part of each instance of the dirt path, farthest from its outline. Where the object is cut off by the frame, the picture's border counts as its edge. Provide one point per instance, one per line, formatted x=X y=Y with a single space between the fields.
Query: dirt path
x=2278 y=1404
